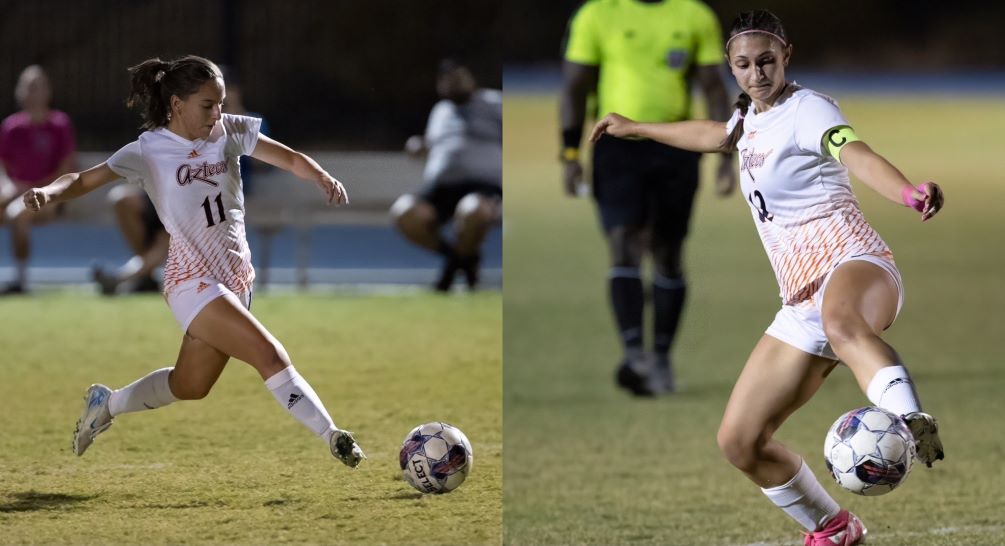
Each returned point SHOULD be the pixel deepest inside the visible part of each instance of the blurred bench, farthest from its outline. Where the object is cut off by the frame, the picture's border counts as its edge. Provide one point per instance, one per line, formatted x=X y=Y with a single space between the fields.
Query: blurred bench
x=279 y=200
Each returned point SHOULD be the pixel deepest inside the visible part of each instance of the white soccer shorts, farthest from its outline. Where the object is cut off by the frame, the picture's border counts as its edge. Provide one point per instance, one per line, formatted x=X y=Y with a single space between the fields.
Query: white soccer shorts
x=801 y=325
x=187 y=299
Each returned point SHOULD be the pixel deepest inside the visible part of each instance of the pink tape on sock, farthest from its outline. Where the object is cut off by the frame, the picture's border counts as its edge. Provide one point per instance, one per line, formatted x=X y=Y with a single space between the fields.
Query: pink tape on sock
x=906 y=195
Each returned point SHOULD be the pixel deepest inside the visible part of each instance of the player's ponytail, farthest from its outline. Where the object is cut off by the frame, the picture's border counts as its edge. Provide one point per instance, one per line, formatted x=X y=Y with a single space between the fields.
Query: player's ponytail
x=742 y=103
x=153 y=82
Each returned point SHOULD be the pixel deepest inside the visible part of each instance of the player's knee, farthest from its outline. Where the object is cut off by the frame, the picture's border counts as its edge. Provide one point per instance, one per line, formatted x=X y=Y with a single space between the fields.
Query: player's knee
x=843 y=330
x=271 y=356
x=738 y=446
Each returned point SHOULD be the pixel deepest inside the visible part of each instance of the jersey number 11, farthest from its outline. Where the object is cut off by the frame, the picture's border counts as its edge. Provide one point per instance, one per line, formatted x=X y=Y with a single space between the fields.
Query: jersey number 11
x=209 y=211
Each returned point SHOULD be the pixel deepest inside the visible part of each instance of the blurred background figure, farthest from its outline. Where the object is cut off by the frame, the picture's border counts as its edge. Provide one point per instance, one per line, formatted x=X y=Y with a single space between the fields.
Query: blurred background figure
x=142 y=230
x=463 y=175
x=37 y=143
x=146 y=237
x=643 y=57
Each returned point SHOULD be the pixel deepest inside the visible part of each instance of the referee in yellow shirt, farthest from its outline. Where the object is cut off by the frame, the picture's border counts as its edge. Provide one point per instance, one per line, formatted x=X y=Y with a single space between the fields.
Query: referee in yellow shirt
x=640 y=58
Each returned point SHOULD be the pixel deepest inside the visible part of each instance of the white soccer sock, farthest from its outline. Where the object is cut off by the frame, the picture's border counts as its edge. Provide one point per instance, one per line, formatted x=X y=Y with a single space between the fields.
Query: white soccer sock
x=892 y=389
x=149 y=392
x=804 y=499
x=294 y=393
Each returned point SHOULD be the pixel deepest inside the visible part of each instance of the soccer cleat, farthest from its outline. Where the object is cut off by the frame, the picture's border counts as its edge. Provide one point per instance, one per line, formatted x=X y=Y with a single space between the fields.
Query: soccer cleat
x=107 y=282
x=661 y=380
x=634 y=376
x=844 y=529
x=94 y=420
x=345 y=448
x=926 y=437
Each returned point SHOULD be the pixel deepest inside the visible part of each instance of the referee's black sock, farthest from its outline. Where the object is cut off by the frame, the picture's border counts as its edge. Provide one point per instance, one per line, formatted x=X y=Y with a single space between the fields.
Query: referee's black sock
x=669 y=294
x=627 y=302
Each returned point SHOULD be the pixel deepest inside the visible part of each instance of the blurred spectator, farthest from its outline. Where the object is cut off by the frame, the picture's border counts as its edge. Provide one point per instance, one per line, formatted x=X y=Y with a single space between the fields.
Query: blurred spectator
x=36 y=145
x=463 y=175
x=142 y=228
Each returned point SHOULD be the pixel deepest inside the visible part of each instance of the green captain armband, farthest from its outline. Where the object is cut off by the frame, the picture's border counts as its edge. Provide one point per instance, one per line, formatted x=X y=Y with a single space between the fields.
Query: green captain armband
x=836 y=138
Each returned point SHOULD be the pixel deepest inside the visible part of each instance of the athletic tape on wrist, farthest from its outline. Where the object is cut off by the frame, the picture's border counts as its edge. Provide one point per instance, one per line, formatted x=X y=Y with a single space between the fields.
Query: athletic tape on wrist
x=907 y=196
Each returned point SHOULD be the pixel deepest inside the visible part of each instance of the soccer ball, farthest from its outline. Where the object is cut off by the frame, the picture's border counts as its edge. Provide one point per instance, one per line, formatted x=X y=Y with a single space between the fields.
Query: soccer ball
x=869 y=451
x=435 y=457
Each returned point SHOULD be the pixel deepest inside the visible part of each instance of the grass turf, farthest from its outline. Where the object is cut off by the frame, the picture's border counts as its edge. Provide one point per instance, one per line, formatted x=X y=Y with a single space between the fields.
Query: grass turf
x=234 y=468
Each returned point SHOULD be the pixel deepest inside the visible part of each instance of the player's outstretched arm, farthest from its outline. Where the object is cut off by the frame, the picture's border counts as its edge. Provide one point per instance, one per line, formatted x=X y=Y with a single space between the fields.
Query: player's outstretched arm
x=880 y=175
x=69 y=186
x=694 y=135
x=278 y=154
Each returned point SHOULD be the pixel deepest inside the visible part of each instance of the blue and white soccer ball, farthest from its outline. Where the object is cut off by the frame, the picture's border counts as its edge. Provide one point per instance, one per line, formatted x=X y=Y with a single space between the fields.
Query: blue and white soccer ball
x=869 y=451
x=435 y=457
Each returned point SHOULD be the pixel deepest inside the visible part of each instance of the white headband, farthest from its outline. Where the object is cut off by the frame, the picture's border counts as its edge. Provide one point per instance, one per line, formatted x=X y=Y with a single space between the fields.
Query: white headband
x=772 y=34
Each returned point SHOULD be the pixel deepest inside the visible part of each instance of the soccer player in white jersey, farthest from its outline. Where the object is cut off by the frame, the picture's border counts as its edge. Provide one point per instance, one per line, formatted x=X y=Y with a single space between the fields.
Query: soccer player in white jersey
x=839 y=285
x=187 y=161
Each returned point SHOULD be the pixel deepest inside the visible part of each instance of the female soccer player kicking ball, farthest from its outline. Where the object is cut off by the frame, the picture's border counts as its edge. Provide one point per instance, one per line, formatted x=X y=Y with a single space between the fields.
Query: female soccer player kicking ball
x=187 y=161
x=839 y=284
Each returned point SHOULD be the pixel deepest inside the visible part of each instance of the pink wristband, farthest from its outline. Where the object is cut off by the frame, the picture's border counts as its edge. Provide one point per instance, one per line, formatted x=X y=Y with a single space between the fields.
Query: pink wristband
x=909 y=200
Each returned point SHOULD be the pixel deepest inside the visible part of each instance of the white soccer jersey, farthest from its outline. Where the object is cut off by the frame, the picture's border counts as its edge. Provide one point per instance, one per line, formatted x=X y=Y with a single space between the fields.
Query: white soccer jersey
x=465 y=141
x=195 y=185
x=800 y=197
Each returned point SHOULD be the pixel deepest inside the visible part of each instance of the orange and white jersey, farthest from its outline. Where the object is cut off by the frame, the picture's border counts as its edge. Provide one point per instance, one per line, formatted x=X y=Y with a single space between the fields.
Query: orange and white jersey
x=800 y=197
x=195 y=185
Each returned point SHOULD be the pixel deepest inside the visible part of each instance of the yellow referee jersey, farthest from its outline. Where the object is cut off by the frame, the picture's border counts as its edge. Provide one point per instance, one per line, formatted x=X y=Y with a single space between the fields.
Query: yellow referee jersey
x=646 y=53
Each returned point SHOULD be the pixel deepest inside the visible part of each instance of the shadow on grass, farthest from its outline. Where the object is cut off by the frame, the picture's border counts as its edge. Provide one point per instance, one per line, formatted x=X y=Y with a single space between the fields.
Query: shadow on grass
x=30 y=501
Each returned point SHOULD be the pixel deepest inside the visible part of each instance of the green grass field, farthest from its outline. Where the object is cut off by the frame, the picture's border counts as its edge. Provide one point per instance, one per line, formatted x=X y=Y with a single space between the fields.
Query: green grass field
x=587 y=464
x=235 y=468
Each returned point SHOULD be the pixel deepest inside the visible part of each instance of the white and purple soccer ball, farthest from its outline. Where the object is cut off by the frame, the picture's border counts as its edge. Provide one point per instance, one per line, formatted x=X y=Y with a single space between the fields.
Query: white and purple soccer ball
x=869 y=451
x=435 y=457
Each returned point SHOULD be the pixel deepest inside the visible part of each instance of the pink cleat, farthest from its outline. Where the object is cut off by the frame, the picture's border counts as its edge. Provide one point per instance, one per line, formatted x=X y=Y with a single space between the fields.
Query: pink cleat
x=844 y=529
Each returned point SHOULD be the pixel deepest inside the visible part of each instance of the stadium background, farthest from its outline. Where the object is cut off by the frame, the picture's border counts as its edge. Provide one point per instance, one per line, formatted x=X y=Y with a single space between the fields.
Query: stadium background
x=923 y=83
x=342 y=79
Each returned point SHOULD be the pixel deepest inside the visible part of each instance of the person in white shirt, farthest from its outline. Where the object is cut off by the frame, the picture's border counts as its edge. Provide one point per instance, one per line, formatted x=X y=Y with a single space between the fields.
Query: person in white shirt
x=839 y=284
x=187 y=162
x=463 y=175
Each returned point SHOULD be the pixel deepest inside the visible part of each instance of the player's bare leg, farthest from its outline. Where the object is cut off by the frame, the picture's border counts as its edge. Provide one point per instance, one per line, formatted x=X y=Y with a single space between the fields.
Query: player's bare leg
x=860 y=302
x=228 y=327
x=776 y=380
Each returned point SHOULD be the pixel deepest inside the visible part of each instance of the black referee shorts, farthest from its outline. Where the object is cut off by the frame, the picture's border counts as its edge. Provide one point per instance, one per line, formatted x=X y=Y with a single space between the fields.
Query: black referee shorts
x=644 y=183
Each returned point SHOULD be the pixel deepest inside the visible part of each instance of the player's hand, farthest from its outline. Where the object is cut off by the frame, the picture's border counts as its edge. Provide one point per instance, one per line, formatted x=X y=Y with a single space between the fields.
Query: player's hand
x=930 y=197
x=415 y=145
x=615 y=125
x=333 y=189
x=35 y=199
x=725 y=177
x=572 y=179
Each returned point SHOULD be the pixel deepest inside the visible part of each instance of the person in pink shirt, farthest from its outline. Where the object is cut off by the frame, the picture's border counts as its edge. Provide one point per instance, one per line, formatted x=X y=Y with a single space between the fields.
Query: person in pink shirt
x=36 y=145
